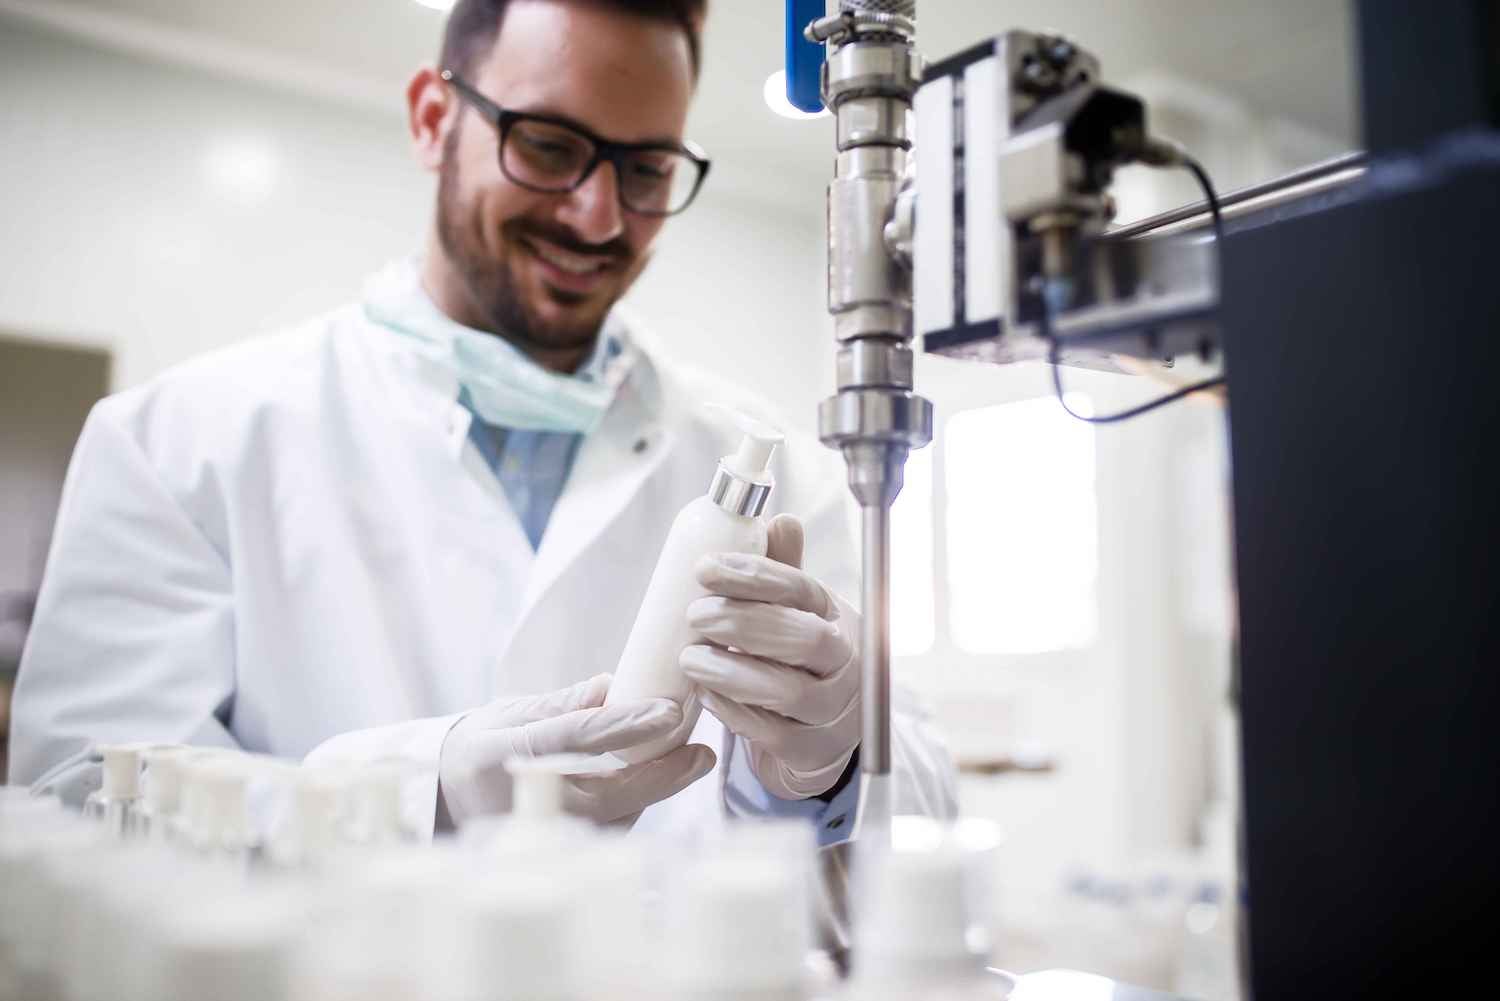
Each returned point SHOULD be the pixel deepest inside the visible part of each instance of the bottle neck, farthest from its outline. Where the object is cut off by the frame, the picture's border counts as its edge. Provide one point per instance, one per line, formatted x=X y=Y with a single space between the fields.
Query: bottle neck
x=738 y=495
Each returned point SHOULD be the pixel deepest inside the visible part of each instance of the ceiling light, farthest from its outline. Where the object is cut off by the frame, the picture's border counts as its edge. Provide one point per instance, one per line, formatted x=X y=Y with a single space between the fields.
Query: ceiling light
x=775 y=95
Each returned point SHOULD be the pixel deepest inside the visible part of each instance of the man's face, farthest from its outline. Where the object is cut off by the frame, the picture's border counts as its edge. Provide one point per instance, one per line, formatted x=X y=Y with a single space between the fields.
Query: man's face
x=544 y=269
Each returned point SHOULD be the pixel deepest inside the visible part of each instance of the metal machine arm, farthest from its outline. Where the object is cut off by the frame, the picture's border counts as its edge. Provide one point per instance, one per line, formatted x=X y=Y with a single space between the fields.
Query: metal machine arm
x=875 y=419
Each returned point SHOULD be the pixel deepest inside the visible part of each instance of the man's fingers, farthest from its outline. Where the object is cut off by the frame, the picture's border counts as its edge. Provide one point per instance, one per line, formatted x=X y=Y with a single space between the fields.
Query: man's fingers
x=606 y=728
x=774 y=632
x=770 y=730
x=630 y=790
x=784 y=540
x=760 y=578
x=584 y=695
x=789 y=691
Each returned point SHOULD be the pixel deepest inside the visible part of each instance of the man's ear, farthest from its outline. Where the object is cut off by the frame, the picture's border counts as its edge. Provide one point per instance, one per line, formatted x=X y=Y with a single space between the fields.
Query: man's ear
x=430 y=113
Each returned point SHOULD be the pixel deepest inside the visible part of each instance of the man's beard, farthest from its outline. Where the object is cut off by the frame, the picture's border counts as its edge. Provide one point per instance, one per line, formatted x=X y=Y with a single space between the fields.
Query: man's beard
x=491 y=285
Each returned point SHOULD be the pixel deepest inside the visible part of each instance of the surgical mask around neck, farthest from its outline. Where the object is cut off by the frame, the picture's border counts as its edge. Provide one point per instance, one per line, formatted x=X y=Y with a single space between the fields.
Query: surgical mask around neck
x=503 y=386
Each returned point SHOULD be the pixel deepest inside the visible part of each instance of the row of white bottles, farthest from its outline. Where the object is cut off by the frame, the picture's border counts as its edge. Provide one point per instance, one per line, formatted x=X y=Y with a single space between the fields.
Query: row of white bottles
x=536 y=905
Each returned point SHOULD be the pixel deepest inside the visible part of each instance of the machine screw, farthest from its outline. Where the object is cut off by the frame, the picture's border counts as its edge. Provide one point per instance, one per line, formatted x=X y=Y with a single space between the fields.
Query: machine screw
x=1038 y=74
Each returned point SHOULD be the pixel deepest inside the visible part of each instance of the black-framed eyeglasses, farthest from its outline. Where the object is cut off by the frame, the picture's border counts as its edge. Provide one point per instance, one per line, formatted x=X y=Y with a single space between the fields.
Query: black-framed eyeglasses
x=551 y=154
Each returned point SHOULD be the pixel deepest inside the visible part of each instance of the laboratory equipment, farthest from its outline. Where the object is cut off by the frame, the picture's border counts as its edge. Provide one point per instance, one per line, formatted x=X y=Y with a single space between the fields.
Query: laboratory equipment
x=725 y=519
x=1019 y=141
x=1353 y=304
x=871 y=72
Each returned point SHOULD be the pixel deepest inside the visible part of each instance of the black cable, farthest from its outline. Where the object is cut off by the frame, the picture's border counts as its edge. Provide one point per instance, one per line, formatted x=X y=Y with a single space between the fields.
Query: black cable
x=1054 y=350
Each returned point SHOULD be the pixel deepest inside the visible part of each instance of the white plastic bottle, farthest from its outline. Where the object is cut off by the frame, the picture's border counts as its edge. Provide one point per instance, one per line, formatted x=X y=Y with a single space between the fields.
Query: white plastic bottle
x=737 y=926
x=117 y=803
x=726 y=519
x=163 y=792
x=919 y=929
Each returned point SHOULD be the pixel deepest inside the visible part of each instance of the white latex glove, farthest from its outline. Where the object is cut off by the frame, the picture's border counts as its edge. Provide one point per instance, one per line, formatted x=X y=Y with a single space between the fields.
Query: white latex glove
x=781 y=667
x=473 y=780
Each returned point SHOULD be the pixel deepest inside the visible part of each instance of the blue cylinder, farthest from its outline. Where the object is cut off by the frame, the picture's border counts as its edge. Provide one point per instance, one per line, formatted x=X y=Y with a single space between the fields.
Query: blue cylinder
x=804 y=59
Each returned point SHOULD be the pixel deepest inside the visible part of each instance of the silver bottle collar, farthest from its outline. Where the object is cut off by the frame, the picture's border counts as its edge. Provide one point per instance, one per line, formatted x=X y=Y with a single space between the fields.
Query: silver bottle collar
x=737 y=495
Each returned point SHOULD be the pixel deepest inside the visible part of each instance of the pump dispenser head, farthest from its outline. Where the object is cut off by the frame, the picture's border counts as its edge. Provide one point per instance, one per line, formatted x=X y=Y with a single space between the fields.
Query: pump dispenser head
x=122 y=771
x=751 y=461
x=743 y=481
x=536 y=789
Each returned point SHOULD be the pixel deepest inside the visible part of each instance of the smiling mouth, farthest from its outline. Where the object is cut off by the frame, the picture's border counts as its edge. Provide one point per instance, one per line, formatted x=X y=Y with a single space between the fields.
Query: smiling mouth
x=566 y=261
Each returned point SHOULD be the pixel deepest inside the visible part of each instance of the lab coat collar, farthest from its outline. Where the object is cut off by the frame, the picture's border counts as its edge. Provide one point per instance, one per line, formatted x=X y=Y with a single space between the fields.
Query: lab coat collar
x=611 y=466
x=612 y=463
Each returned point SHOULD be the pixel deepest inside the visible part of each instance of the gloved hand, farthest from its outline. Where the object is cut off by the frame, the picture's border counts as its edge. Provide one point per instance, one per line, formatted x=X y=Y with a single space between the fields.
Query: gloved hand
x=473 y=780
x=781 y=667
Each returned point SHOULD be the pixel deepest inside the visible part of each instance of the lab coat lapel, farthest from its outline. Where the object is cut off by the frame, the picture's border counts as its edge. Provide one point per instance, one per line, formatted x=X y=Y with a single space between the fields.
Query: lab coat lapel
x=612 y=464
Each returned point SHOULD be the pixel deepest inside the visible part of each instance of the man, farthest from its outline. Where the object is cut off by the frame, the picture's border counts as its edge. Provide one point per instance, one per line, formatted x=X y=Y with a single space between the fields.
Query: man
x=420 y=526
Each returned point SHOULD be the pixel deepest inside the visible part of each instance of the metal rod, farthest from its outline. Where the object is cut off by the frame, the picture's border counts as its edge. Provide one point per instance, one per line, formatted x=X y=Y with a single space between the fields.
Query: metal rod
x=1332 y=173
x=875 y=666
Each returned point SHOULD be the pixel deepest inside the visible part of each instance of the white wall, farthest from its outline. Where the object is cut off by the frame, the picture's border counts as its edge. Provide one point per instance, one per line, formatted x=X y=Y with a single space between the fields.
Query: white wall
x=163 y=212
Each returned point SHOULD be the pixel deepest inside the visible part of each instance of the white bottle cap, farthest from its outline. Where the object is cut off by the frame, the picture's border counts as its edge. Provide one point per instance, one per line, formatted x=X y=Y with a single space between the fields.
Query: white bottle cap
x=537 y=783
x=164 y=778
x=376 y=806
x=318 y=799
x=535 y=792
x=122 y=771
x=752 y=459
x=225 y=821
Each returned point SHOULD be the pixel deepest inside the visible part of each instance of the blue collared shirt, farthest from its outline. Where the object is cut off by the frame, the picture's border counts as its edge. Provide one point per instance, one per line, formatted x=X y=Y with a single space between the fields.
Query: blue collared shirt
x=533 y=467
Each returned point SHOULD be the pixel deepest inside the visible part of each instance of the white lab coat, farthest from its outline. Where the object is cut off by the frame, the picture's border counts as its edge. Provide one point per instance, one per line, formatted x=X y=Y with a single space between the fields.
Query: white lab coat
x=291 y=546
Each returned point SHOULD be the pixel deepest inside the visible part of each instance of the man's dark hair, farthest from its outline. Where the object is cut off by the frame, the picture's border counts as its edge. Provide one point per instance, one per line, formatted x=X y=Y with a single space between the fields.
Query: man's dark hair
x=473 y=26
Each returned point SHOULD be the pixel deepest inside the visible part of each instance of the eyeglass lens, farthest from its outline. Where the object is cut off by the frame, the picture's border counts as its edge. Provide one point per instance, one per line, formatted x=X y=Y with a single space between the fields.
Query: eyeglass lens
x=551 y=157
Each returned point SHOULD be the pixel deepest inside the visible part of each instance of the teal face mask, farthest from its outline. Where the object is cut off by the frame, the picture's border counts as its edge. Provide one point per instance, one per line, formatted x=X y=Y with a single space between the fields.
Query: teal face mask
x=504 y=387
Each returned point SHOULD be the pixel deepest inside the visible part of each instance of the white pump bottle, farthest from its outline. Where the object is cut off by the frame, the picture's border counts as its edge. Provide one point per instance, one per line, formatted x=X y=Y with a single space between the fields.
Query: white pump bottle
x=726 y=519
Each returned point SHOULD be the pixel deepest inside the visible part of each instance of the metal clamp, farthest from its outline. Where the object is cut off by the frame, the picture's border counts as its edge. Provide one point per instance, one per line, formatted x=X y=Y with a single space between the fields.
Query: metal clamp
x=847 y=26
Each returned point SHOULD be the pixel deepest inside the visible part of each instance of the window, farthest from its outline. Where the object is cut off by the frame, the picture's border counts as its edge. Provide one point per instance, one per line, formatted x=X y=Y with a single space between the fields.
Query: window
x=1022 y=528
